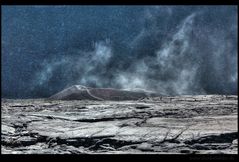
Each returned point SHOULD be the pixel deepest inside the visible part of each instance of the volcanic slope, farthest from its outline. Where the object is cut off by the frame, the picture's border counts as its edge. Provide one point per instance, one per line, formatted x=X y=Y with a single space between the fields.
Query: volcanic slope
x=79 y=92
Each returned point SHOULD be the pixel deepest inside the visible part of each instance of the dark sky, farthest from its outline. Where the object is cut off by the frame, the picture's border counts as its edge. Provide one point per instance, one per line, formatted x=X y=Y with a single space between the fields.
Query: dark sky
x=173 y=50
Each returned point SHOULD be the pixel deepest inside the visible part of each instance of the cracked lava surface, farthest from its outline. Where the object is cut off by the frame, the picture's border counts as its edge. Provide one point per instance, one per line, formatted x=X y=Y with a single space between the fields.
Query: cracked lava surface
x=200 y=124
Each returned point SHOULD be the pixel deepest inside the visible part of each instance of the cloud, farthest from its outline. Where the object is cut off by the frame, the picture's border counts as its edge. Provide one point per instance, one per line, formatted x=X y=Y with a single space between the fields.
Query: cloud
x=174 y=50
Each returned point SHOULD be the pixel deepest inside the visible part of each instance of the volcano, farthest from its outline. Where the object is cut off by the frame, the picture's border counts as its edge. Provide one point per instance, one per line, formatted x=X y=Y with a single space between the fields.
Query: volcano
x=79 y=92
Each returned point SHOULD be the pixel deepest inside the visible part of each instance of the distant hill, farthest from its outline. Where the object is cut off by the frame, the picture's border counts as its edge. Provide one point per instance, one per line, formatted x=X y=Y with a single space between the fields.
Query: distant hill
x=79 y=92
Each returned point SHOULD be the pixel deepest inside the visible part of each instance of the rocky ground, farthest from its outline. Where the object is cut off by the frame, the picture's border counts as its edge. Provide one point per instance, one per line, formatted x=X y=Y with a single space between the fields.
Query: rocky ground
x=158 y=125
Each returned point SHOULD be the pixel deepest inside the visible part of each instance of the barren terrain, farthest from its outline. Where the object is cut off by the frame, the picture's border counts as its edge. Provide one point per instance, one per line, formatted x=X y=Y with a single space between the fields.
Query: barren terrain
x=203 y=124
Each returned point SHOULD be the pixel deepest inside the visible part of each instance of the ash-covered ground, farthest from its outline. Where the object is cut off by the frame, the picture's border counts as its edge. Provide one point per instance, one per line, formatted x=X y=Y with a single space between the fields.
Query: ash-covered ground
x=200 y=124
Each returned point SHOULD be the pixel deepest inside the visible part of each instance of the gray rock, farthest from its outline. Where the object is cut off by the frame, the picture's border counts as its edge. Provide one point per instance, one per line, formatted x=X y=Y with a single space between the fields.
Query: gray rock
x=204 y=124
